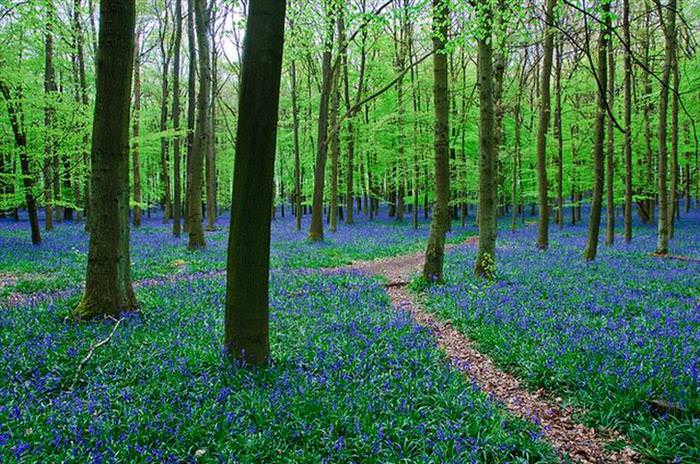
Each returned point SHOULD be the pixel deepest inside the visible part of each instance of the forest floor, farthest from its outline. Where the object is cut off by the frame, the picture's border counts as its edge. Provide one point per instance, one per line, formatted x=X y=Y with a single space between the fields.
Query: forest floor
x=555 y=360
x=570 y=439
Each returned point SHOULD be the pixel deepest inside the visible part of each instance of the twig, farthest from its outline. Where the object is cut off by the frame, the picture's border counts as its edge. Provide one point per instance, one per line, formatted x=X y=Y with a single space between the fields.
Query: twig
x=92 y=351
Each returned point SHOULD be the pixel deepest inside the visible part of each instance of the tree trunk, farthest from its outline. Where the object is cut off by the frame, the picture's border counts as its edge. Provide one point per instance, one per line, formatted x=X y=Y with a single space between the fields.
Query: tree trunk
x=316 y=230
x=201 y=139
x=84 y=101
x=211 y=146
x=164 y=145
x=349 y=180
x=648 y=109
x=669 y=27
x=610 y=152
x=191 y=108
x=335 y=153
x=416 y=129
x=297 y=160
x=543 y=228
x=673 y=207
x=435 y=251
x=247 y=279
x=559 y=135
x=486 y=254
x=599 y=137
x=136 y=117
x=177 y=176
x=108 y=288
x=49 y=114
x=628 y=120
x=16 y=115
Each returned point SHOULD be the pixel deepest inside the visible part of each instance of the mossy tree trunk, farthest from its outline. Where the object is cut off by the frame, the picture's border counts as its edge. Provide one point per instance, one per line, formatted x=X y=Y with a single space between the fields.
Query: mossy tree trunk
x=108 y=288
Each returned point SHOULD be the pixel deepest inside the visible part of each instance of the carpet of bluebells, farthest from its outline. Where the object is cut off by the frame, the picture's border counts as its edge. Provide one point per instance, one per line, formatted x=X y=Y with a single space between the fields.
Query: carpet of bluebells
x=60 y=261
x=352 y=381
x=613 y=337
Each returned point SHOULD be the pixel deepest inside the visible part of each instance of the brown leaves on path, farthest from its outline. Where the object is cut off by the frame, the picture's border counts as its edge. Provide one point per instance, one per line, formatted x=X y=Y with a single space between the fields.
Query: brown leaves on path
x=582 y=444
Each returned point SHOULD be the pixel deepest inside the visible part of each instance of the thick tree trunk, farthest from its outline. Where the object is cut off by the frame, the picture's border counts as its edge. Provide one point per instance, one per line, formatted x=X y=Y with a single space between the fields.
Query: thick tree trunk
x=599 y=138
x=435 y=251
x=108 y=288
x=177 y=143
x=486 y=254
x=136 y=122
x=542 y=187
x=201 y=137
x=249 y=242
x=669 y=27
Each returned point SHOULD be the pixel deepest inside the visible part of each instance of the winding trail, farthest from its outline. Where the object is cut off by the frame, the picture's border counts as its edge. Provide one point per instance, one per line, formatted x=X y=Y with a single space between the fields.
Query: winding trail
x=582 y=444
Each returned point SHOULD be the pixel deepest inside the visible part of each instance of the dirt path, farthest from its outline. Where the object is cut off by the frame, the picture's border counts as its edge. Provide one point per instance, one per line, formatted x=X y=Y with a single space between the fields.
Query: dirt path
x=581 y=443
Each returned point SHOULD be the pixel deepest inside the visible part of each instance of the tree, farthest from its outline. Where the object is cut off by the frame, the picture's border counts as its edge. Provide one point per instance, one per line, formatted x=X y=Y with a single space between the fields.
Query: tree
x=49 y=114
x=610 y=149
x=191 y=106
x=249 y=240
x=165 y=57
x=136 y=123
x=435 y=251
x=15 y=109
x=543 y=227
x=201 y=136
x=316 y=230
x=486 y=254
x=669 y=28
x=297 y=157
x=108 y=288
x=599 y=135
x=177 y=174
x=628 y=119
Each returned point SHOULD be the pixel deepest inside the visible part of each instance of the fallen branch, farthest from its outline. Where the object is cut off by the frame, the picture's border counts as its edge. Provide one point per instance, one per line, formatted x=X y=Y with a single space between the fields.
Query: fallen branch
x=92 y=351
x=688 y=259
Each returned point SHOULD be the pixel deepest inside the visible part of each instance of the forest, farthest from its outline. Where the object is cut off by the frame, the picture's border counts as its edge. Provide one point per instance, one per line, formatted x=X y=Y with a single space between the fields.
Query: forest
x=362 y=231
